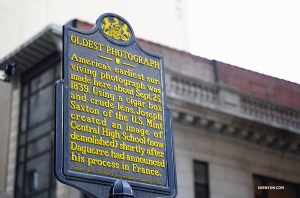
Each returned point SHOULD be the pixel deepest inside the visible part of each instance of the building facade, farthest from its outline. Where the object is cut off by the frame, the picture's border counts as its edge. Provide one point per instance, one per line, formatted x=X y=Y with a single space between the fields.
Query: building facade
x=235 y=130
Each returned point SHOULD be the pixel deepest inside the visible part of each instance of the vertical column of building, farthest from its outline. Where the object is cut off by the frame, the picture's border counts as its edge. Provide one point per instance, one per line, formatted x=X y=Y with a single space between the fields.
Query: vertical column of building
x=13 y=135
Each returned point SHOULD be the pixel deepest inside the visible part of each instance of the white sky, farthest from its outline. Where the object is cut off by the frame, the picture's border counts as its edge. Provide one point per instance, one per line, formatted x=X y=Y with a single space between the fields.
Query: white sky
x=259 y=35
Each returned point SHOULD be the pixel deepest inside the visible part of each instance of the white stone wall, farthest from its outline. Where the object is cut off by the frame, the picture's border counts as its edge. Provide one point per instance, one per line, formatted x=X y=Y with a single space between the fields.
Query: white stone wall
x=13 y=135
x=64 y=191
x=231 y=163
x=159 y=21
x=5 y=105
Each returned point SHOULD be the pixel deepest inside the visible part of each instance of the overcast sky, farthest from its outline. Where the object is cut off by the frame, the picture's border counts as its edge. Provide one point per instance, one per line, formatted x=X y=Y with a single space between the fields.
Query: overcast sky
x=259 y=35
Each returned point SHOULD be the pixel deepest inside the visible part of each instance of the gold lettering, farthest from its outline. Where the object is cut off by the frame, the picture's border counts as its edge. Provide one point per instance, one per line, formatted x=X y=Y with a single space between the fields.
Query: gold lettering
x=132 y=57
x=86 y=43
x=84 y=108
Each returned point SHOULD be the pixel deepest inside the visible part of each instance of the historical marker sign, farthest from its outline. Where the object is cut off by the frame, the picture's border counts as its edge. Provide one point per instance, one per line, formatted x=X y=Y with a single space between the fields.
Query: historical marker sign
x=112 y=119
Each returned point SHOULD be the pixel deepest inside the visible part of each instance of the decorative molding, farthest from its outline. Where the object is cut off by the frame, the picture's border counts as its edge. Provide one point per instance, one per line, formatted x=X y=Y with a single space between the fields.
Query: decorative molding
x=256 y=137
x=270 y=113
x=201 y=104
x=231 y=101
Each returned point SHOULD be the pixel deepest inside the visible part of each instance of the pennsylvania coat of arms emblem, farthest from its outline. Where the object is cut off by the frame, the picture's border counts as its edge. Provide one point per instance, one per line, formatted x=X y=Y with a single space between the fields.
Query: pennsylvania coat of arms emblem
x=115 y=29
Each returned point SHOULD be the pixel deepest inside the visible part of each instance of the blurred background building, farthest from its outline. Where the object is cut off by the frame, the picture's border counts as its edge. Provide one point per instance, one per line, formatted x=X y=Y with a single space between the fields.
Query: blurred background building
x=234 y=129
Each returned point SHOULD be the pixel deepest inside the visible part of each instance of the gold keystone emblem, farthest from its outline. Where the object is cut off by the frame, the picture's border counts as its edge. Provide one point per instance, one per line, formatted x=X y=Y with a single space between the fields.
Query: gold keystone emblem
x=115 y=30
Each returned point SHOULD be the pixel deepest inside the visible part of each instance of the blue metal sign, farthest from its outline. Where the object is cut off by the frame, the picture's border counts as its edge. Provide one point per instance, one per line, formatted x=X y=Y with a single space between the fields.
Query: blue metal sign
x=112 y=121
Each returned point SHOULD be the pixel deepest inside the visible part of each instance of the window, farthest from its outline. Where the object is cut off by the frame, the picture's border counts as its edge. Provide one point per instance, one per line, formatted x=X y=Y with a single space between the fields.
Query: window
x=201 y=180
x=290 y=190
x=35 y=169
x=85 y=195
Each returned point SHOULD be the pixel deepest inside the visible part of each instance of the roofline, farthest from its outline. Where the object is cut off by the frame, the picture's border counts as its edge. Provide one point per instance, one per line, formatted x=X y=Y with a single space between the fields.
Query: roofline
x=34 y=49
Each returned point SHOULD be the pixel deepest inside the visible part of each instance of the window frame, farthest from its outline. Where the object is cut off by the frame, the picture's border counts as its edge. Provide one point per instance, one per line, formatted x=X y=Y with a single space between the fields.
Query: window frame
x=205 y=185
x=50 y=62
x=265 y=180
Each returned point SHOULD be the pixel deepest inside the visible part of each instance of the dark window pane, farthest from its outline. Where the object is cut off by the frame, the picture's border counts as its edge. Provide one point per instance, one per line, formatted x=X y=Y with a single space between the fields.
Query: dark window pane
x=53 y=178
x=53 y=193
x=41 y=80
x=22 y=139
x=85 y=196
x=200 y=172
x=24 y=115
x=37 y=174
x=258 y=192
x=21 y=154
x=32 y=180
x=41 y=105
x=289 y=190
x=200 y=177
x=19 y=182
x=25 y=91
x=40 y=130
x=38 y=146
x=201 y=191
x=284 y=189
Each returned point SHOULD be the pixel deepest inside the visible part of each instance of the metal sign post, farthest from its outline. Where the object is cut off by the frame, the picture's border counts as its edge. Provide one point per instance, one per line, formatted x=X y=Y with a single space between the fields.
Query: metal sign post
x=114 y=133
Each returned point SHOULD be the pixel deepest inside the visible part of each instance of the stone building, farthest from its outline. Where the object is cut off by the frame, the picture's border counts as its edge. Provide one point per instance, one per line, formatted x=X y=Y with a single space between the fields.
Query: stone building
x=235 y=129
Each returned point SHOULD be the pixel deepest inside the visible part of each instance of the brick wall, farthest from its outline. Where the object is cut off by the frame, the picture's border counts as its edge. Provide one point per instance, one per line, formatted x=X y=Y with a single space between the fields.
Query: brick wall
x=266 y=87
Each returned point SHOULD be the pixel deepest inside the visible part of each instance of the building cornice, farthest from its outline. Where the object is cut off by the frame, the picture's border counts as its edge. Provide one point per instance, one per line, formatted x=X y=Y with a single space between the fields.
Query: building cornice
x=226 y=110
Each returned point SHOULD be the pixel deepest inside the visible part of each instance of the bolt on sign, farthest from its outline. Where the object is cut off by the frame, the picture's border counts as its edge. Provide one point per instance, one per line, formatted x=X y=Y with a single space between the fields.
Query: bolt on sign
x=112 y=121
